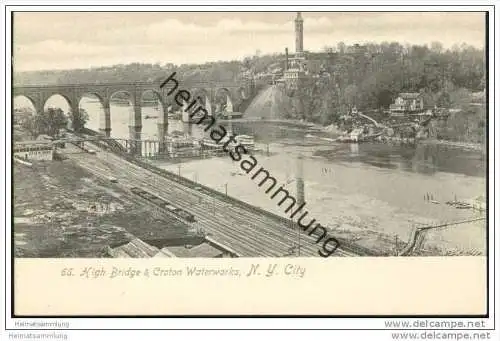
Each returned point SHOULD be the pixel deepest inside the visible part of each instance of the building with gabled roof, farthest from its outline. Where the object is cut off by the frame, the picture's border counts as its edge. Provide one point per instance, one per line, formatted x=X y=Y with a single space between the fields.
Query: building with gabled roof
x=407 y=102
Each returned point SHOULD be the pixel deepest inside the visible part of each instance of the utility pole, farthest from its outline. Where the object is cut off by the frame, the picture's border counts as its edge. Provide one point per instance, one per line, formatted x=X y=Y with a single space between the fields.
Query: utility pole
x=298 y=237
x=225 y=186
x=300 y=192
x=179 y=169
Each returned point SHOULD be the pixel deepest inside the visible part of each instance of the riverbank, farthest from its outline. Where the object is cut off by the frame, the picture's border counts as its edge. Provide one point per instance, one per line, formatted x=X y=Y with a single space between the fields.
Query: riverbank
x=291 y=122
x=312 y=129
x=463 y=145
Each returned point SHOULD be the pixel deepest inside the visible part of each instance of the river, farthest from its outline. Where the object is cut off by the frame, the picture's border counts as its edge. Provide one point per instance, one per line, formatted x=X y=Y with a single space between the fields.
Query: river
x=355 y=187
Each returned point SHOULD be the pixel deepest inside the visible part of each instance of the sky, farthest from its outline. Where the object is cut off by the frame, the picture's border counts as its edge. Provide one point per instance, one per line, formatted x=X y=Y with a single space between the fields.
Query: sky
x=67 y=40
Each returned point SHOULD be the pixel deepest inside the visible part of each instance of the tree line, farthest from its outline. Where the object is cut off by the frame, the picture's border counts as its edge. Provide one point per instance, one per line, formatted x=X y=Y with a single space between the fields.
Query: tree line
x=51 y=121
x=371 y=76
x=135 y=72
x=368 y=76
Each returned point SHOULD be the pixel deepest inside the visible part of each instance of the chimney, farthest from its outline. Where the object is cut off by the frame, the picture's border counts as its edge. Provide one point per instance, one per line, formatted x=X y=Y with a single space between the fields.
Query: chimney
x=286 y=58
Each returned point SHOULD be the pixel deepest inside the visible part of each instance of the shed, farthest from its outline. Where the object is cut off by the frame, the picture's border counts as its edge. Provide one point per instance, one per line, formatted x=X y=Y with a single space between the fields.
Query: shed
x=203 y=250
x=136 y=248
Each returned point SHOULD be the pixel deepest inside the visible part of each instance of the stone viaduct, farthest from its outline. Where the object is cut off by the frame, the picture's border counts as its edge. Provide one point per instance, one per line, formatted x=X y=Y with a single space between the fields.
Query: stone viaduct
x=208 y=91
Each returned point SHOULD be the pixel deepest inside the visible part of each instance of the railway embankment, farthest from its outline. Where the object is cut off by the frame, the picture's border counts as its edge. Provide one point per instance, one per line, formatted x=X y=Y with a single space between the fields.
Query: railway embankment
x=345 y=243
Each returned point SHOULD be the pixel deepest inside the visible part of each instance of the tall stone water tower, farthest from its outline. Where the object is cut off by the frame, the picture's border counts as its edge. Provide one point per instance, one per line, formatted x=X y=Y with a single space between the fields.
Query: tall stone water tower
x=299 y=34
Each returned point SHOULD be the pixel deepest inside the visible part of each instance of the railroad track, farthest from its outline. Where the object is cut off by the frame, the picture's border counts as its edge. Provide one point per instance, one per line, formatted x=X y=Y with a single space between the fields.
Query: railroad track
x=278 y=232
x=248 y=233
x=274 y=233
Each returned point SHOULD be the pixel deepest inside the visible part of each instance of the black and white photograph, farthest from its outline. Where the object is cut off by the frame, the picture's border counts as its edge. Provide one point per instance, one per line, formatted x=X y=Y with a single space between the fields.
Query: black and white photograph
x=310 y=147
x=251 y=135
x=251 y=160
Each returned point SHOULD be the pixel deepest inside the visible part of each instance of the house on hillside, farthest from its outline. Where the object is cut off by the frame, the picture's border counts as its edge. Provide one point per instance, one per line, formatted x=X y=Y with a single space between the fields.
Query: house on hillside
x=407 y=102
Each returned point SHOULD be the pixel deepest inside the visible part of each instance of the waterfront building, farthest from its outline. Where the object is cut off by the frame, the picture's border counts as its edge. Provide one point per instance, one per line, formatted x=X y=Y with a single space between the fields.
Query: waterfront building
x=34 y=150
x=209 y=144
x=407 y=102
x=246 y=141
x=182 y=146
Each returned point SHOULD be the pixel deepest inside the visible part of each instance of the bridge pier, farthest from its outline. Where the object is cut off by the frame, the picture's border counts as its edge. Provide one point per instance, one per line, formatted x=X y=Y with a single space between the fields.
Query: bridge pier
x=135 y=136
x=162 y=136
x=105 y=121
x=74 y=109
x=187 y=128
x=162 y=131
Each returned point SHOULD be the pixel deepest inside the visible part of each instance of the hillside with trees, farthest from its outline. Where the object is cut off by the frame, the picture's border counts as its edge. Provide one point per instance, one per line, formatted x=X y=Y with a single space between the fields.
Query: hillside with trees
x=368 y=77
x=135 y=72
x=371 y=76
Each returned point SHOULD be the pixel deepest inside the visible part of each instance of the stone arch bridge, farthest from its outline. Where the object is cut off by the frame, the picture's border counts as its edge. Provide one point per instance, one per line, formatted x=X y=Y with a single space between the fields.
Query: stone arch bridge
x=233 y=92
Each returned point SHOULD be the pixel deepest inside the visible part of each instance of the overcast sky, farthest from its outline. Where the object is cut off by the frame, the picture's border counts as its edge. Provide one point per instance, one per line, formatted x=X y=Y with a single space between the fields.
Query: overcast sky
x=68 y=40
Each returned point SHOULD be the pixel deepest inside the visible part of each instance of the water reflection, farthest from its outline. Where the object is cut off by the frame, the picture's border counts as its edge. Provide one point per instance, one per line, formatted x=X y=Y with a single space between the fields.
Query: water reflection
x=267 y=132
x=424 y=159
x=354 y=148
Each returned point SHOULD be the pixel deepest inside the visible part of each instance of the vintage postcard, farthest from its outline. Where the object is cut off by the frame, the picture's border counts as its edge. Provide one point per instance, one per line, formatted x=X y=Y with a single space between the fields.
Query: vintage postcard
x=250 y=162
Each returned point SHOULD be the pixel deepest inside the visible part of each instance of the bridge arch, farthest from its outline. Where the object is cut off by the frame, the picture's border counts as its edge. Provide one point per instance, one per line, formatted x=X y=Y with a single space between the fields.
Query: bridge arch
x=122 y=113
x=56 y=101
x=102 y=100
x=151 y=95
x=223 y=100
x=216 y=95
x=24 y=102
x=71 y=97
x=24 y=110
x=204 y=99
x=154 y=115
x=95 y=107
